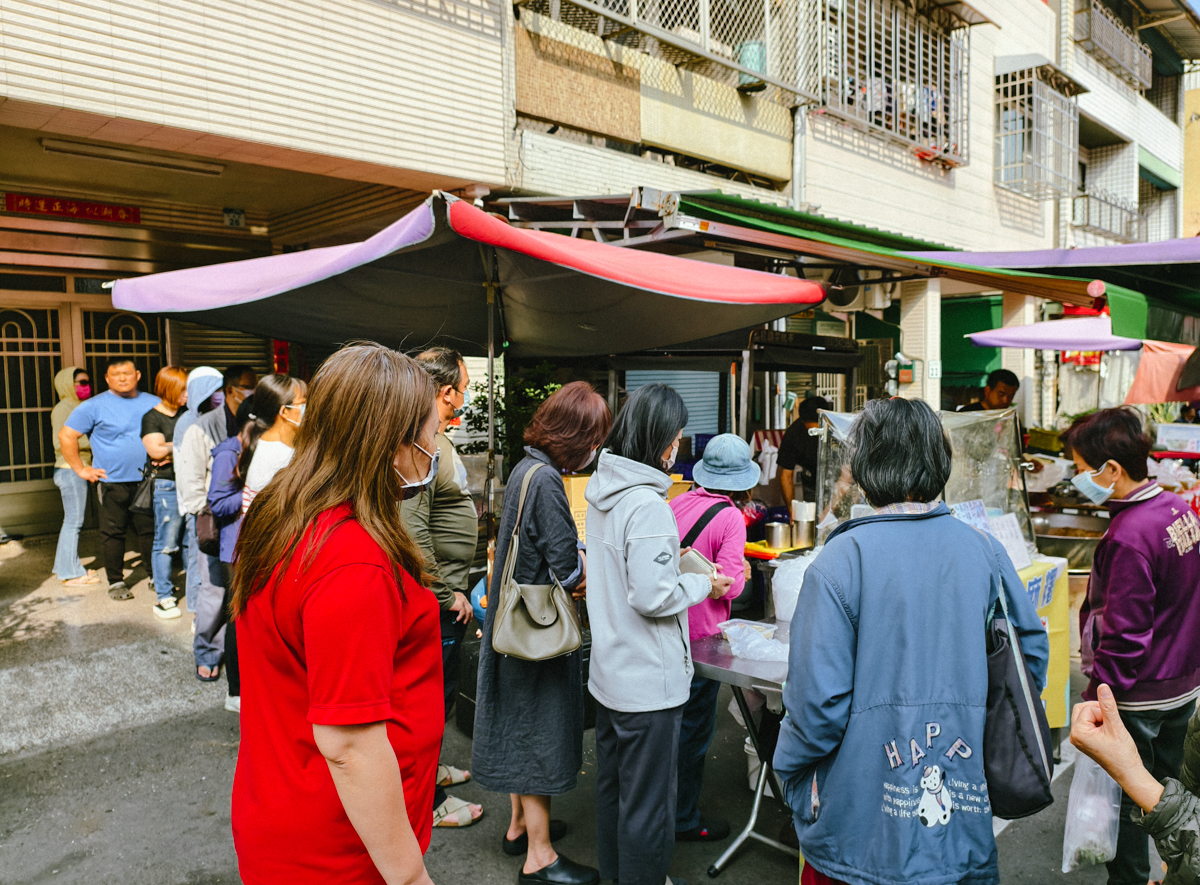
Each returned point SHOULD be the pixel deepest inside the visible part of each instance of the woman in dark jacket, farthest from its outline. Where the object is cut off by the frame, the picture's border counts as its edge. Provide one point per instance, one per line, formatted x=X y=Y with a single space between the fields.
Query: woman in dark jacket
x=225 y=502
x=529 y=714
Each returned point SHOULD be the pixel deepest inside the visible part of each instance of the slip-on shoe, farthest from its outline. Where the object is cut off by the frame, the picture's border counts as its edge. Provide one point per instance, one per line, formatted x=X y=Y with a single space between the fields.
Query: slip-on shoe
x=563 y=871
x=519 y=845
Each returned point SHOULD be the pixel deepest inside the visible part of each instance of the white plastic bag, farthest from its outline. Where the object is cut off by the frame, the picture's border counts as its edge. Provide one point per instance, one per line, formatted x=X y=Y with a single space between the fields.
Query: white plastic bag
x=785 y=586
x=1093 y=817
x=748 y=643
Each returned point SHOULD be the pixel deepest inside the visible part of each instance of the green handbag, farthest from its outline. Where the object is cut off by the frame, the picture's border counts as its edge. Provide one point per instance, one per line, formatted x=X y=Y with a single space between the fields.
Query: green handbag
x=534 y=622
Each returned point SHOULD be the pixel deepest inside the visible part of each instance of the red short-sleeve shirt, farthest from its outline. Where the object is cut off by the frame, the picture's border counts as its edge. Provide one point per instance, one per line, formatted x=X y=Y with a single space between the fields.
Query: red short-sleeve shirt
x=336 y=642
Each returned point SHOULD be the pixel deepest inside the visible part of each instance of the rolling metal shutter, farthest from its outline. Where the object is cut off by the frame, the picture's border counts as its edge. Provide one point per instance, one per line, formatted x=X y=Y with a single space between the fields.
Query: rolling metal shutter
x=206 y=346
x=701 y=392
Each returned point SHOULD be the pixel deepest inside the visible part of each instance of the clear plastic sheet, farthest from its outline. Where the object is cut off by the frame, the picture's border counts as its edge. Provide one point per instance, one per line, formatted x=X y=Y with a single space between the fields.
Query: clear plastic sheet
x=986 y=466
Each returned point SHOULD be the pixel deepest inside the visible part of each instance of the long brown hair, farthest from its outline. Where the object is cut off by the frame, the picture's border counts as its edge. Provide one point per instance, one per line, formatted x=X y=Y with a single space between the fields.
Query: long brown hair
x=364 y=403
x=569 y=425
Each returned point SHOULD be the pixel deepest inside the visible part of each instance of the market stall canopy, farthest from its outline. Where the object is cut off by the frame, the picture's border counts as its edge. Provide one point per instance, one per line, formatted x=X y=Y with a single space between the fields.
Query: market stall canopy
x=1083 y=333
x=1169 y=269
x=1158 y=375
x=426 y=279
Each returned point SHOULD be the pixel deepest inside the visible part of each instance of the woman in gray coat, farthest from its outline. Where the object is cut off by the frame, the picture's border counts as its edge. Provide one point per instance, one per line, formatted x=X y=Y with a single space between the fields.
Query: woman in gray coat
x=529 y=714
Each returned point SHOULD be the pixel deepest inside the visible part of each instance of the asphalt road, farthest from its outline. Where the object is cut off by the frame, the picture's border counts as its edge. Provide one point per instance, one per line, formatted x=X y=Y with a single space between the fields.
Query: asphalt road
x=116 y=764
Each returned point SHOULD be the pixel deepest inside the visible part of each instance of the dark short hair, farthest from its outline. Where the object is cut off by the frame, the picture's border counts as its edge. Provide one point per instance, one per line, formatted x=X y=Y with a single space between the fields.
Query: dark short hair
x=118 y=360
x=78 y=372
x=899 y=452
x=1002 y=376
x=808 y=409
x=1111 y=435
x=647 y=424
x=443 y=364
x=231 y=376
x=569 y=424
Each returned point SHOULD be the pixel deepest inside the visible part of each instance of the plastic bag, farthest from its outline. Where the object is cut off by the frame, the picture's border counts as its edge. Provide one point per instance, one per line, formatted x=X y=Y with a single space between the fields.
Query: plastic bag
x=785 y=586
x=1093 y=817
x=748 y=643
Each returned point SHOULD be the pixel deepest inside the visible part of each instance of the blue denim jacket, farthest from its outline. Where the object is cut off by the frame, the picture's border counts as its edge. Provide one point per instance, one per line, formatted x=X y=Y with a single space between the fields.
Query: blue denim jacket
x=225 y=495
x=881 y=751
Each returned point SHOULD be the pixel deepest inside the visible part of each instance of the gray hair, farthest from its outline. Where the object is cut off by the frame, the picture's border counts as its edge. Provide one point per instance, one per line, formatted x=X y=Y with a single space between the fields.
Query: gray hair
x=899 y=452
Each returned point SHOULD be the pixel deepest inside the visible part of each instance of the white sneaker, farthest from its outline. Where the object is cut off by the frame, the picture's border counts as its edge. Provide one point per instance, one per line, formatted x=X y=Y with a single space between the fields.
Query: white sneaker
x=167 y=608
x=233 y=704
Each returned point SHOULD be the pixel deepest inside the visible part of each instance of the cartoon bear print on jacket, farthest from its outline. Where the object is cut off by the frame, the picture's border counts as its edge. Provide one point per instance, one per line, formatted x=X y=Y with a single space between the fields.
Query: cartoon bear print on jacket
x=937 y=803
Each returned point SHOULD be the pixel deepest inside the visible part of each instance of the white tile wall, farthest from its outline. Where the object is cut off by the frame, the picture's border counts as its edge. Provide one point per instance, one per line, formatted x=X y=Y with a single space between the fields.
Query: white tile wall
x=548 y=164
x=355 y=79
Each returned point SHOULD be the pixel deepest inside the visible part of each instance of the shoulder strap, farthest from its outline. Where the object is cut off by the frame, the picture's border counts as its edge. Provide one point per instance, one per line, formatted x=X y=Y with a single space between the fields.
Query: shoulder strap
x=510 y=558
x=702 y=523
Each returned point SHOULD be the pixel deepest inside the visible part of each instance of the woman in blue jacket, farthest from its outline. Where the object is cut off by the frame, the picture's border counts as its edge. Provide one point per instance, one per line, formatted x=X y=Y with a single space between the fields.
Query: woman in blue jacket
x=887 y=680
x=225 y=501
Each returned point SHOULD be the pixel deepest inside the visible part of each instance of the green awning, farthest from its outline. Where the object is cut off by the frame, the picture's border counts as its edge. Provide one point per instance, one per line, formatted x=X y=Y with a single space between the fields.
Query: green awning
x=1158 y=173
x=861 y=245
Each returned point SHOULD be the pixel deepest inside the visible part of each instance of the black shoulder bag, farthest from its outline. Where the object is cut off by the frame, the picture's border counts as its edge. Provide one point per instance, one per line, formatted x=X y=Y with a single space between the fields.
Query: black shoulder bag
x=702 y=523
x=1016 y=736
x=143 y=497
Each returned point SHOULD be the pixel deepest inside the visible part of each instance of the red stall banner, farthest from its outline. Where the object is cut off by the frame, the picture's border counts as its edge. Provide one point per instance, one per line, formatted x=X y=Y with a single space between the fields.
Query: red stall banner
x=61 y=207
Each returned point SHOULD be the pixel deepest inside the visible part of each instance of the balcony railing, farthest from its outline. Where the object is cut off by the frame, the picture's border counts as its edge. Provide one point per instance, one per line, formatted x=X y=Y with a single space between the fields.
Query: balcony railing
x=752 y=44
x=1115 y=46
x=1099 y=212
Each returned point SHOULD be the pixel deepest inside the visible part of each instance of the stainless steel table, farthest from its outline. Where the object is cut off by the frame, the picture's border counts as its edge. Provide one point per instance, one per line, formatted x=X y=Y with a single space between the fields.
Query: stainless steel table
x=714 y=660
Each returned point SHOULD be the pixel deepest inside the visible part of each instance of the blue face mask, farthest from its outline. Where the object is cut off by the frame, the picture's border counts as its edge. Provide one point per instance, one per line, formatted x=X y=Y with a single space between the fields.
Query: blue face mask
x=1090 y=489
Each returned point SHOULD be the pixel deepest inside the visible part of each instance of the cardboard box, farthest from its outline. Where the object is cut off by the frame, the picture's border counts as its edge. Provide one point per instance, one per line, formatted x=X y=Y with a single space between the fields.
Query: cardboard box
x=575 y=486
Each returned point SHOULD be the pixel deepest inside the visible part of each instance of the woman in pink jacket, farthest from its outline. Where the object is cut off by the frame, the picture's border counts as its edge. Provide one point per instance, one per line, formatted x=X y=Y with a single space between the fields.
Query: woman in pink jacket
x=711 y=523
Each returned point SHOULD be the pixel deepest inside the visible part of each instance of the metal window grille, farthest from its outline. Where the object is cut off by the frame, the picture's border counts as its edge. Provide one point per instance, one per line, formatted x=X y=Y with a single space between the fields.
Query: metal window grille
x=833 y=387
x=1114 y=45
x=484 y=18
x=1164 y=95
x=113 y=333
x=751 y=44
x=898 y=69
x=1037 y=136
x=30 y=356
x=1100 y=212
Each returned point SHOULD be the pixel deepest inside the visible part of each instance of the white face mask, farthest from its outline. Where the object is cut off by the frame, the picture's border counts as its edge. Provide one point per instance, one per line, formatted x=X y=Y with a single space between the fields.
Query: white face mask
x=284 y=410
x=412 y=489
x=591 y=458
x=674 y=453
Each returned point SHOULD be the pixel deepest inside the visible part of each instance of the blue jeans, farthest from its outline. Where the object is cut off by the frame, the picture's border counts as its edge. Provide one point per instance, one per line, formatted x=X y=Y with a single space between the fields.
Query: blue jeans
x=212 y=612
x=696 y=733
x=74 y=490
x=167 y=525
x=191 y=561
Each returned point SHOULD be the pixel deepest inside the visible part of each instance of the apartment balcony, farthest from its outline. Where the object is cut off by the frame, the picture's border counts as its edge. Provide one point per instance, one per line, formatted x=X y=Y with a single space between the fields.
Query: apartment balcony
x=1112 y=44
x=1099 y=212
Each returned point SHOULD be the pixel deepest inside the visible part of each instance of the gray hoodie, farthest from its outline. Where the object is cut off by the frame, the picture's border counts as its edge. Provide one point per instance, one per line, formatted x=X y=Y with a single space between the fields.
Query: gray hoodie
x=637 y=599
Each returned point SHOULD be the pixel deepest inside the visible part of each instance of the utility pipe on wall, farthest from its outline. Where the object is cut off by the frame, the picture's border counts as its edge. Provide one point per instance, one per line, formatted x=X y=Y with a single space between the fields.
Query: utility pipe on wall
x=799 y=157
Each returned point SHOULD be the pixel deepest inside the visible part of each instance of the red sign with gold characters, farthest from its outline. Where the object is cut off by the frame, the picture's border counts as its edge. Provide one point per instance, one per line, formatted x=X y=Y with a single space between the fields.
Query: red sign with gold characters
x=61 y=207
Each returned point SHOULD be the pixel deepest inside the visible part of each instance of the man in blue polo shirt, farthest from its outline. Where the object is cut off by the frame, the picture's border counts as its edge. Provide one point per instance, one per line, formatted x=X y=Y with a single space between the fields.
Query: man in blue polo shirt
x=113 y=423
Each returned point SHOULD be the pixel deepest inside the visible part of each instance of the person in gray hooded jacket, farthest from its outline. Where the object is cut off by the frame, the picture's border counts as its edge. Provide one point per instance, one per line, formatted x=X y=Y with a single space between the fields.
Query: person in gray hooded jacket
x=641 y=664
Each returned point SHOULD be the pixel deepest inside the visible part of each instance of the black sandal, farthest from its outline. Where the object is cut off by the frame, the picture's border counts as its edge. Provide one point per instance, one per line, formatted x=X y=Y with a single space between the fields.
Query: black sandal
x=119 y=591
x=215 y=671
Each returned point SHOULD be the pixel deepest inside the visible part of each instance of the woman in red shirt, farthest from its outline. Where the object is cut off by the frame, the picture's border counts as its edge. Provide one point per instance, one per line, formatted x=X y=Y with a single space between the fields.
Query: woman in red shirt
x=340 y=642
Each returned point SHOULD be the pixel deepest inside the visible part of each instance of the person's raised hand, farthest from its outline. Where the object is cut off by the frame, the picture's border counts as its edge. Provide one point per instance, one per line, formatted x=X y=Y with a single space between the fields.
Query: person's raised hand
x=720 y=585
x=1097 y=730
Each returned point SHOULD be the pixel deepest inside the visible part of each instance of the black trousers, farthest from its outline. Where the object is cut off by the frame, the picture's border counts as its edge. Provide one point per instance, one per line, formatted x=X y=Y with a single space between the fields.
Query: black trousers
x=453 y=632
x=637 y=756
x=1158 y=735
x=115 y=519
x=232 y=675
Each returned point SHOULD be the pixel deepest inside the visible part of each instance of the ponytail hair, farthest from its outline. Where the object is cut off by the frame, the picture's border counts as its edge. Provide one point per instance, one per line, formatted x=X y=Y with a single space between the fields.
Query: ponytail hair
x=272 y=394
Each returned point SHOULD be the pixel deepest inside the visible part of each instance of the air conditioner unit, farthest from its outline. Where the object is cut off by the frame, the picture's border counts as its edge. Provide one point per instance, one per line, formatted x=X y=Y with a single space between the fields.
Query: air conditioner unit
x=870 y=296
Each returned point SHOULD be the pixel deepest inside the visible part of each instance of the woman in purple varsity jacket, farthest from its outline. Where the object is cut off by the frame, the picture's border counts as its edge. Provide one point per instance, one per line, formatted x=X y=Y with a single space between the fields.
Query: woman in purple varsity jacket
x=1140 y=624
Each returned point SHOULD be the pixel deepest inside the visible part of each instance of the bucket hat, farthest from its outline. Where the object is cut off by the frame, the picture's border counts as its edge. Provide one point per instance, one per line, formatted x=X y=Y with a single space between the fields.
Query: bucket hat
x=727 y=465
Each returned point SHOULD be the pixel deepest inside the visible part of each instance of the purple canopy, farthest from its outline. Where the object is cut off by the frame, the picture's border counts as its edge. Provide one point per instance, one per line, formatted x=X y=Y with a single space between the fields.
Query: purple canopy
x=1080 y=333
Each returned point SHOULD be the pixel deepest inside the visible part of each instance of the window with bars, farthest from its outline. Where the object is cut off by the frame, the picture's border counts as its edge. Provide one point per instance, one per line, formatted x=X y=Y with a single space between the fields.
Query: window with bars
x=1164 y=95
x=1159 y=209
x=1037 y=134
x=112 y=333
x=898 y=68
x=30 y=356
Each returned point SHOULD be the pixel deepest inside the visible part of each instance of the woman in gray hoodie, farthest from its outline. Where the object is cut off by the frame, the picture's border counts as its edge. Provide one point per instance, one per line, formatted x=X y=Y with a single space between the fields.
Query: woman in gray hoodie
x=641 y=665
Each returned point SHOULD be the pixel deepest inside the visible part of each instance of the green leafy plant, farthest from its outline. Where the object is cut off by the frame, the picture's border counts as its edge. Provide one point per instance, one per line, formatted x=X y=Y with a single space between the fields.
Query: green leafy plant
x=524 y=391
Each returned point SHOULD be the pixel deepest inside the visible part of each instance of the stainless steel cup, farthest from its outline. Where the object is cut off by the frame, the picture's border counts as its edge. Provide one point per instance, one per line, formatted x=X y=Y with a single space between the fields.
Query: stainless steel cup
x=779 y=535
x=804 y=533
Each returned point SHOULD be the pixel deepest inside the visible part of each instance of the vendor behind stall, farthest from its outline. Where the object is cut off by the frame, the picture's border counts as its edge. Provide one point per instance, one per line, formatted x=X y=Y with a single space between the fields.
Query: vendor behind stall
x=800 y=449
x=998 y=392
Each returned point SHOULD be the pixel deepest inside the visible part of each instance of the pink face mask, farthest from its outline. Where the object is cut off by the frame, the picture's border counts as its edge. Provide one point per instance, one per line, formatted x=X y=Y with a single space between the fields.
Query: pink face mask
x=83 y=391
